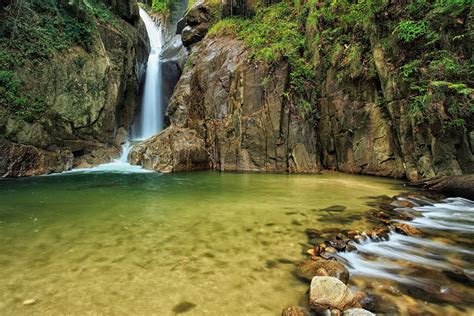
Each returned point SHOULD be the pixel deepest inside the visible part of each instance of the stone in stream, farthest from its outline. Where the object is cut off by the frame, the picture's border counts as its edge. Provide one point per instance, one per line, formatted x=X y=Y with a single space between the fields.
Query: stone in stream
x=308 y=269
x=357 y=312
x=406 y=229
x=183 y=307
x=338 y=243
x=294 y=311
x=379 y=233
x=30 y=301
x=330 y=293
x=334 y=208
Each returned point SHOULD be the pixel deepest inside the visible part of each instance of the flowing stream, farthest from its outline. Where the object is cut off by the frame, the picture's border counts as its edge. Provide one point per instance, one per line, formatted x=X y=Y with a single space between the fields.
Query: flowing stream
x=437 y=269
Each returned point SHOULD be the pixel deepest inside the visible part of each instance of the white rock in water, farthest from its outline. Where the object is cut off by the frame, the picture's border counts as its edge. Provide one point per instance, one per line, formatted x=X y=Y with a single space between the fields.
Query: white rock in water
x=30 y=301
x=329 y=293
x=357 y=312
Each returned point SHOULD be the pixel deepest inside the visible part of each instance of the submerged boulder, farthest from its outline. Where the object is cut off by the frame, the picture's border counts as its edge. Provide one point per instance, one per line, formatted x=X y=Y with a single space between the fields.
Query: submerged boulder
x=330 y=293
x=174 y=149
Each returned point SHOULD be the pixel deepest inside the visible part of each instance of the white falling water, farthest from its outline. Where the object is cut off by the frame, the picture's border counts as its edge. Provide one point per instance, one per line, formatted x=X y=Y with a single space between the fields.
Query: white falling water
x=150 y=121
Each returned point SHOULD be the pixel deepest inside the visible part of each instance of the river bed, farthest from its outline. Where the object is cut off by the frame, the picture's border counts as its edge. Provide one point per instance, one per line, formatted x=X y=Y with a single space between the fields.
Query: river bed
x=202 y=243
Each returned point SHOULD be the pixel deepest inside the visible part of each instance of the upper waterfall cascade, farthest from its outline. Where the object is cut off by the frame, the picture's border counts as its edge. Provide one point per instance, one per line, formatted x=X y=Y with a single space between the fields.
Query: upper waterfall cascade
x=150 y=121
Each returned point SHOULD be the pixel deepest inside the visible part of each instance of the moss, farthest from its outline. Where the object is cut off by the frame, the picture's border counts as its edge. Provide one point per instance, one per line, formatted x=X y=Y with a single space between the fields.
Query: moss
x=15 y=101
x=32 y=32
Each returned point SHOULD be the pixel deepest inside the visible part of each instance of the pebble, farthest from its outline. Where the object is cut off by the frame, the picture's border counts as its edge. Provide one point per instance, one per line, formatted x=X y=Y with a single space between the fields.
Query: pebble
x=29 y=301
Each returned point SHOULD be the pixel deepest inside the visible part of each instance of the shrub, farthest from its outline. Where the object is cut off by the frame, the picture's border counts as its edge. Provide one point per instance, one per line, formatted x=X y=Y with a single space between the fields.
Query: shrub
x=408 y=31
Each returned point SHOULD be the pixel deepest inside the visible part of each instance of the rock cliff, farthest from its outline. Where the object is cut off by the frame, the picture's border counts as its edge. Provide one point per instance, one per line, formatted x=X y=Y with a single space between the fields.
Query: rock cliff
x=365 y=116
x=237 y=113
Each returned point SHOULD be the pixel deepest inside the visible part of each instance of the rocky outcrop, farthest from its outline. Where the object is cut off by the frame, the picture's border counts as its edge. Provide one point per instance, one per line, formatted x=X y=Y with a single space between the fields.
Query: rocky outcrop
x=197 y=22
x=89 y=96
x=174 y=149
x=357 y=135
x=238 y=110
x=18 y=160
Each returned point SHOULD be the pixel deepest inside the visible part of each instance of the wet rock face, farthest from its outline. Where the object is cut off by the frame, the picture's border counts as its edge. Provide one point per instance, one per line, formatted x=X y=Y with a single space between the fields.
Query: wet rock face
x=244 y=125
x=173 y=58
x=18 y=160
x=174 y=149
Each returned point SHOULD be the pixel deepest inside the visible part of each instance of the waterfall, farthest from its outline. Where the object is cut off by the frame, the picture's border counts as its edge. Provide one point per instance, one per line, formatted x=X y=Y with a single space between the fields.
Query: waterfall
x=150 y=121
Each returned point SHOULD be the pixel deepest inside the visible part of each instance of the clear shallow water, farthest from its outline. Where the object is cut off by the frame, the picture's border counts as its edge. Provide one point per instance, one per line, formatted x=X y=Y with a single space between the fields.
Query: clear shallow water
x=145 y=243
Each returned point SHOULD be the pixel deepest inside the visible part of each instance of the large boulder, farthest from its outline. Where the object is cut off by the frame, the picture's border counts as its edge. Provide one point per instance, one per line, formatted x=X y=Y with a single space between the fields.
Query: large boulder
x=18 y=160
x=174 y=149
x=310 y=268
x=330 y=293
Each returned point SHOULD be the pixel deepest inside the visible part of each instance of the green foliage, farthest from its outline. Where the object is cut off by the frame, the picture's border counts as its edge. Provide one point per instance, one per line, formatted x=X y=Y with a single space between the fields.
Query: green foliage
x=165 y=7
x=18 y=104
x=271 y=36
x=410 y=69
x=408 y=31
x=32 y=32
x=100 y=11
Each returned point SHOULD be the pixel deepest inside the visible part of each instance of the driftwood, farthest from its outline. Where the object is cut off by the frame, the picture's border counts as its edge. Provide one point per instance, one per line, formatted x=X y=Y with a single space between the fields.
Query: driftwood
x=462 y=186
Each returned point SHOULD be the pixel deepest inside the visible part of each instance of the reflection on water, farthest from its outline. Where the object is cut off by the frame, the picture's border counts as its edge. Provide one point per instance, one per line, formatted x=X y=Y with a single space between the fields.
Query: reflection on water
x=145 y=243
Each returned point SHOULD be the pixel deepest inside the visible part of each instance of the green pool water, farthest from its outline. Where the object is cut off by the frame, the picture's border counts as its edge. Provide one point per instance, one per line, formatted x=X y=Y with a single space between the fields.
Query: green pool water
x=145 y=243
